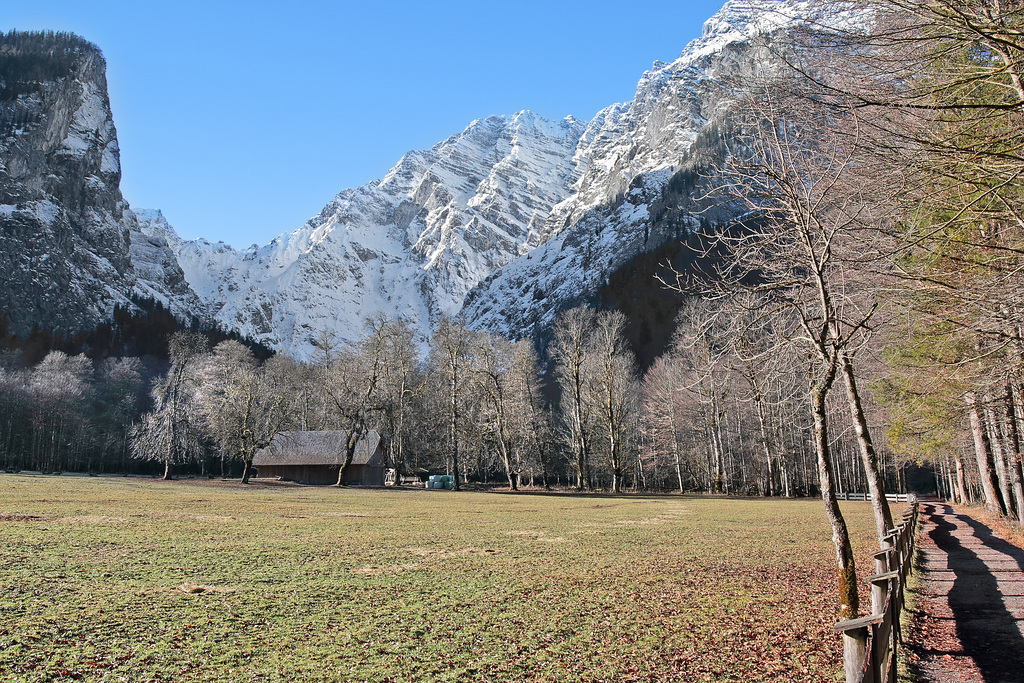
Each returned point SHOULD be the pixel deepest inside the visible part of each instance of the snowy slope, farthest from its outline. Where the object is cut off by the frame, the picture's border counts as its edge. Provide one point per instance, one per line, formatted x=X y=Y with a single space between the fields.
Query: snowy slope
x=508 y=222
x=412 y=244
x=158 y=275
x=629 y=153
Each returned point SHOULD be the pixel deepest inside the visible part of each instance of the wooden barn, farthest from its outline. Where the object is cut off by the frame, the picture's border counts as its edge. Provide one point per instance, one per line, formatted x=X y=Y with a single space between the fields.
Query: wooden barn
x=315 y=457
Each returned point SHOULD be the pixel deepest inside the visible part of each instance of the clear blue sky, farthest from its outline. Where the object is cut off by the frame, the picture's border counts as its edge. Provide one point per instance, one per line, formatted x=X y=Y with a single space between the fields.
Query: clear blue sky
x=240 y=120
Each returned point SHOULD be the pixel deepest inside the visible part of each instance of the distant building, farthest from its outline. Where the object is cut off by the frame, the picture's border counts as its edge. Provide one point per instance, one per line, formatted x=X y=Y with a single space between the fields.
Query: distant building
x=315 y=457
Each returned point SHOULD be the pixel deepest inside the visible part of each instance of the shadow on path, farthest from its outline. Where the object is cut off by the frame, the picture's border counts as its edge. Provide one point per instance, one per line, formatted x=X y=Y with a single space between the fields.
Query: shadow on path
x=987 y=593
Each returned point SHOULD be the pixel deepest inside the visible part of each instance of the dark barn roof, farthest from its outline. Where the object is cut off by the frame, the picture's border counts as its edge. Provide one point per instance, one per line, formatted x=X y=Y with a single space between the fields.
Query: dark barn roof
x=320 y=448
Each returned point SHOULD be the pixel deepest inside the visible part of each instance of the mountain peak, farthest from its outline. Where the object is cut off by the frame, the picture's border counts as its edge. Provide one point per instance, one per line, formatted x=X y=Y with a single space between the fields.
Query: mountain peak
x=506 y=221
x=481 y=210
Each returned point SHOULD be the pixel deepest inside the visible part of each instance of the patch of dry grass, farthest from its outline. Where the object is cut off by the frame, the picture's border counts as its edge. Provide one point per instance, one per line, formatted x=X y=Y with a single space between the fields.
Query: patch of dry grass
x=141 y=580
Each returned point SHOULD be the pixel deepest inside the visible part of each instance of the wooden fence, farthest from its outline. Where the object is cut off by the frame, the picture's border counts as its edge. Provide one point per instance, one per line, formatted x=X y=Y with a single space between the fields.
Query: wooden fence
x=869 y=643
x=891 y=497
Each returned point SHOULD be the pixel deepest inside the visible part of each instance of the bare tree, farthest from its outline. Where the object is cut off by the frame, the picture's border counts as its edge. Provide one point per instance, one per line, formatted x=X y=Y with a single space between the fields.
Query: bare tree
x=450 y=350
x=612 y=387
x=569 y=350
x=402 y=382
x=172 y=433
x=813 y=210
x=120 y=388
x=817 y=244
x=761 y=359
x=533 y=421
x=350 y=380
x=701 y=345
x=248 y=404
x=662 y=412
x=940 y=83
x=493 y=361
x=61 y=386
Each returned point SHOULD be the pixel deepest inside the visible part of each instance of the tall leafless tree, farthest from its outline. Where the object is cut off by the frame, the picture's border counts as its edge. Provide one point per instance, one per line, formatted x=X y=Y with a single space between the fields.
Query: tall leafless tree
x=248 y=403
x=172 y=433
x=570 y=351
x=450 y=351
x=613 y=387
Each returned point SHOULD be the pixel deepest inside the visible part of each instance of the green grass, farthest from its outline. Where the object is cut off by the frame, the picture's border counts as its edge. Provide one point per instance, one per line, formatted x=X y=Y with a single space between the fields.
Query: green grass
x=140 y=580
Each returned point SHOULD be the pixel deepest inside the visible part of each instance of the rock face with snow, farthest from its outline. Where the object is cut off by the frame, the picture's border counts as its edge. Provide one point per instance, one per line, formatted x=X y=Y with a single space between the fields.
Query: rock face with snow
x=158 y=275
x=67 y=253
x=644 y=167
x=508 y=222
x=64 y=245
x=411 y=244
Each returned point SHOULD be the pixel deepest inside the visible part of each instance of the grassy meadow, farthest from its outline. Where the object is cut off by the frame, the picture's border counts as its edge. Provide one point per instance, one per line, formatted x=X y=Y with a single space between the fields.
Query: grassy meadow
x=126 y=579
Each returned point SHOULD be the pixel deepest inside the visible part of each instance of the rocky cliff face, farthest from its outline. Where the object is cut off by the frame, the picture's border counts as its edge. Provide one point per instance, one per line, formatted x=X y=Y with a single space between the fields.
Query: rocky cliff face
x=67 y=254
x=411 y=244
x=508 y=222
x=158 y=275
x=64 y=245
x=646 y=166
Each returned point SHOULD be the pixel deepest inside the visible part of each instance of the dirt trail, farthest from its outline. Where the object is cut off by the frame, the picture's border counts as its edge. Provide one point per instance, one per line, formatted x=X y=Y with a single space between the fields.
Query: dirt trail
x=969 y=617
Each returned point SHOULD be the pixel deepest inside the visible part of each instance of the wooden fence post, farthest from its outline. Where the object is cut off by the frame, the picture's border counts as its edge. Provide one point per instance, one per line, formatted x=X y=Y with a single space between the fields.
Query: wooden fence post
x=857 y=649
x=870 y=643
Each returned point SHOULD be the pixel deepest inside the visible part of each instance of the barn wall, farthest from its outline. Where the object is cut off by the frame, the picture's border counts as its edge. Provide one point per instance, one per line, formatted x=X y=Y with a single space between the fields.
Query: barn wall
x=303 y=474
x=323 y=474
x=365 y=475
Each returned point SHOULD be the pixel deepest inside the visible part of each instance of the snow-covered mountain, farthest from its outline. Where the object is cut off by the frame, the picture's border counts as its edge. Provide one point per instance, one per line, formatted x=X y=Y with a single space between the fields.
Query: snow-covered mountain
x=412 y=244
x=507 y=222
x=70 y=250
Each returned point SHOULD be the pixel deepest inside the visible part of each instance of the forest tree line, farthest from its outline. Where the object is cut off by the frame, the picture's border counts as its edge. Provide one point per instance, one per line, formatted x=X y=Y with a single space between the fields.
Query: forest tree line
x=703 y=418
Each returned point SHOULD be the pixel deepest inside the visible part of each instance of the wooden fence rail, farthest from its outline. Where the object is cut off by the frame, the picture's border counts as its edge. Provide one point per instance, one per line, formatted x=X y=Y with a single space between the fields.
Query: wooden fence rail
x=891 y=497
x=869 y=643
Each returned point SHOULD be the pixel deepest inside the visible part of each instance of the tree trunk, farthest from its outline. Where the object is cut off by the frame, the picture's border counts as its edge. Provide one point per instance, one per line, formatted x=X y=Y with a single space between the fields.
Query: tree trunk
x=716 y=446
x=351 y=441
x=995 y=440
x=849 y=600
x=769 y=488
x=961 y=479
x=709 y=455
x=167 y=470
x=1012 y=437
x=398 y=442
x=675 y=455
x=989 y=486
x=616 y=461
x=247 y=471
x=453 y=431
x=507 y=460
x=722 y=475
x=879 y=504
x=582 y=464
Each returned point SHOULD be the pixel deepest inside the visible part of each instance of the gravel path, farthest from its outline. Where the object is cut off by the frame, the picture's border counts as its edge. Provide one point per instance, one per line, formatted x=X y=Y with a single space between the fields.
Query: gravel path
x=968 y=623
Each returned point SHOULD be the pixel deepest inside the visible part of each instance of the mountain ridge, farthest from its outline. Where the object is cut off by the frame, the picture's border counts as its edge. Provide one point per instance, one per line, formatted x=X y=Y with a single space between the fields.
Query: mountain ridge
x=503 y=222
